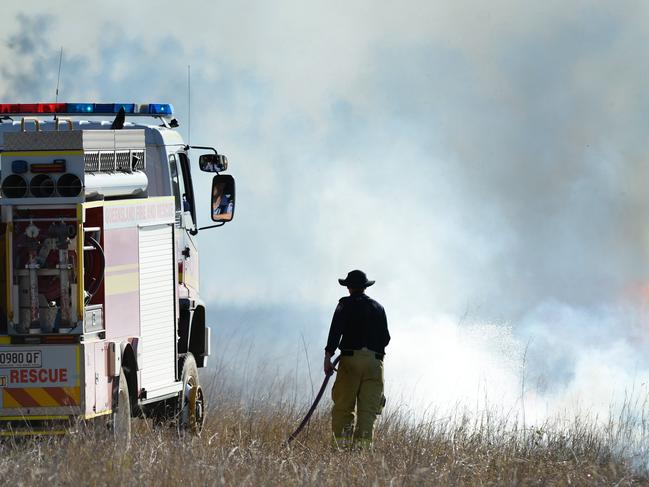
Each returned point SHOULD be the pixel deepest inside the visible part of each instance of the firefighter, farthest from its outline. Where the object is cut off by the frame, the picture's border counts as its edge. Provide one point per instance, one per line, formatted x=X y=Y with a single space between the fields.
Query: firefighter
x=360 y=329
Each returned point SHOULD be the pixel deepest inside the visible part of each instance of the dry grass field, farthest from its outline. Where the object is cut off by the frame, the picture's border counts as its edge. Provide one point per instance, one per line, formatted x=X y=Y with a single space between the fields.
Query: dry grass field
x=244 y=446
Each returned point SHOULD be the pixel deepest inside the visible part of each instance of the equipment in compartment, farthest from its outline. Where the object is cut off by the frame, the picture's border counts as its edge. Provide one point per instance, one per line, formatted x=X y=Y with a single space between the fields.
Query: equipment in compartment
x=46 y=274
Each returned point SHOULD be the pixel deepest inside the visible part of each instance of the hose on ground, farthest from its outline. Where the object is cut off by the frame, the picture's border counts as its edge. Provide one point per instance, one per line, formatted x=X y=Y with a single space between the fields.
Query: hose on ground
x=313 y=406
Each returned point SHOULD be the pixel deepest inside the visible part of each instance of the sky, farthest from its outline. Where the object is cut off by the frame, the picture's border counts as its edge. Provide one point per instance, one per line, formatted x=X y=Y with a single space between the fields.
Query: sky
x=485 y=163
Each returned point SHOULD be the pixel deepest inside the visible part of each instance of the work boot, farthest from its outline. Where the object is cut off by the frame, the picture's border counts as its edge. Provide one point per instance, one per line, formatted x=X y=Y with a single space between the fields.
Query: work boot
x=363 y=444
x=340 y=443
x=344 y=441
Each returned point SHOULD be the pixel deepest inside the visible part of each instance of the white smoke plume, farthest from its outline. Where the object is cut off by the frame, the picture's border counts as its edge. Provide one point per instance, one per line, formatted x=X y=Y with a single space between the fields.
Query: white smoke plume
x=486 y=164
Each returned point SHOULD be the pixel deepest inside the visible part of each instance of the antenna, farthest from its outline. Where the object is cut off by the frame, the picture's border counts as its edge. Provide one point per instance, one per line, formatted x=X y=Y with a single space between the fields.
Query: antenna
x=58 y=79
x=189 y=104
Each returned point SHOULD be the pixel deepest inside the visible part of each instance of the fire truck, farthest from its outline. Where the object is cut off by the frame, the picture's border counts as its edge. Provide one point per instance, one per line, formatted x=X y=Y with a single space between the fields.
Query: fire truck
x=100 y=313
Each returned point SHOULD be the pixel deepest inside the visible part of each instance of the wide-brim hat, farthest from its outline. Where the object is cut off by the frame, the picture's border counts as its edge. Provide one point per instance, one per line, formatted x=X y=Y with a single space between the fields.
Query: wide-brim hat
x=356 y=279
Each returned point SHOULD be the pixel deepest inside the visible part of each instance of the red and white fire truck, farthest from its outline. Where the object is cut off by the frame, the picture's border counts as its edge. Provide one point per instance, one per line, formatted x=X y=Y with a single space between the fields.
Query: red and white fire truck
x=100 y=314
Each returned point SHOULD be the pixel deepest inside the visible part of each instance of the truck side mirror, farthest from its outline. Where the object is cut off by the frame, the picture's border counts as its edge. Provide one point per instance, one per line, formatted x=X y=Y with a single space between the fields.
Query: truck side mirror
x=213 y=162
x=222 y=209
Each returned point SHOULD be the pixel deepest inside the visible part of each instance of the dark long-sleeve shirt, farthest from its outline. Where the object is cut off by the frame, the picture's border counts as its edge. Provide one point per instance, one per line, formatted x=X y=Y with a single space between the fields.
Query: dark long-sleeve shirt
x=358 y=322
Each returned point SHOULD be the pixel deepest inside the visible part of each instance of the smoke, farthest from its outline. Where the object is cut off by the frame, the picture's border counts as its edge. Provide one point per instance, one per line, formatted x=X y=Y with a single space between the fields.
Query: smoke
x=32 y=66
x=484 y=163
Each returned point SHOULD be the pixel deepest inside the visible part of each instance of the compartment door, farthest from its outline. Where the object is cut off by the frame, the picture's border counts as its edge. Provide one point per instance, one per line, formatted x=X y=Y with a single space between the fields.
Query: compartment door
x=157 y=313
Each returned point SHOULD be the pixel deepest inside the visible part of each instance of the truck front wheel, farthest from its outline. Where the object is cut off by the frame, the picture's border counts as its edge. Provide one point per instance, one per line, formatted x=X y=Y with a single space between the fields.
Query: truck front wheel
x=191 y=414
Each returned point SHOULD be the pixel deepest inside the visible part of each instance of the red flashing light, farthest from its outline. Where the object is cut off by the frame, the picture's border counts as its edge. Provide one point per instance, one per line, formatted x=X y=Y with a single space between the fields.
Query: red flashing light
x=9 y=108
x=50 y=107
x=33 y=108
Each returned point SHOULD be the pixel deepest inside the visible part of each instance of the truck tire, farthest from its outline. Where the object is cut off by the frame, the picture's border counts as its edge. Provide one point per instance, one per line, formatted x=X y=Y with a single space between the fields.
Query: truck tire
x=121 y=415
x=191 y=410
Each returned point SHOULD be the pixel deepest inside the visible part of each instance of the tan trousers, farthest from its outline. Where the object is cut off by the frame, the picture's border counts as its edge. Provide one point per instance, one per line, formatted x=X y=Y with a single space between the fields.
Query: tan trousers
x=358 y=386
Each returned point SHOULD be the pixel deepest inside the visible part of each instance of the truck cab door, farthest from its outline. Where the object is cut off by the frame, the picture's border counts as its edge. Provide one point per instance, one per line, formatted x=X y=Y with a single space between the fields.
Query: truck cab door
x=186 y=251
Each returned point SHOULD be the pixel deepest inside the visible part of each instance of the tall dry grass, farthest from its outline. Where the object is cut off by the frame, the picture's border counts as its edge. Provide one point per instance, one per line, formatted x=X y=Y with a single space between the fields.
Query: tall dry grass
x=243 y=443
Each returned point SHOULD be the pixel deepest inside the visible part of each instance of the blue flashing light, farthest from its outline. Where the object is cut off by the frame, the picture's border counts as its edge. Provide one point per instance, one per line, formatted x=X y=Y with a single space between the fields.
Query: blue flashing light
x=161 y=109
x=19 y=167
x=104 y=108
x=80 y=108
x=128 y=107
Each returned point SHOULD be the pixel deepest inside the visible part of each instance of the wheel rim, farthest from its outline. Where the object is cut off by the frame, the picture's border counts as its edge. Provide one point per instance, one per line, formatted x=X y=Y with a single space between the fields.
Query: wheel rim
x=195 y=406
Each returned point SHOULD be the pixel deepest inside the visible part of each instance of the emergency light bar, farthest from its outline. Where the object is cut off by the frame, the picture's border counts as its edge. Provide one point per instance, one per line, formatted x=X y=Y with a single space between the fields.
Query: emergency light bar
x=151 y=109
